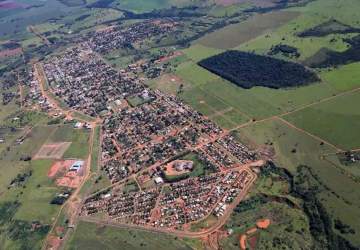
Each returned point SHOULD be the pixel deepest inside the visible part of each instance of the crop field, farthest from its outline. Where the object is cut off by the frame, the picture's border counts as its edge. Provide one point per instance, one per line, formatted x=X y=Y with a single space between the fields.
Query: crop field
x=237 y=34
x=294 y=148
x=91 y=236
x=329 y=120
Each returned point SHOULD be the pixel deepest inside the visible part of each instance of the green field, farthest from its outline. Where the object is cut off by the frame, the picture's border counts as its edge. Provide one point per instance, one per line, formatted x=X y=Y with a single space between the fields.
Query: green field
x=79 y=139
x=33 y=196
x=329 y=120
x=91 y=236
x=311 y=15
x=237 y=34
x=32 y=143
x=344 y=78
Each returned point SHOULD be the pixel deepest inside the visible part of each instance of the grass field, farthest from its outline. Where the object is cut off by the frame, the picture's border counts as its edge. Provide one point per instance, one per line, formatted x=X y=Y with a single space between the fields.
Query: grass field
x=30 y=146
x=353 y=169
x=79 y=139
x=237 y=34
x=344 y=78
x=311 y=15
x=91 y=236
x=37 y=195
x=336 y=121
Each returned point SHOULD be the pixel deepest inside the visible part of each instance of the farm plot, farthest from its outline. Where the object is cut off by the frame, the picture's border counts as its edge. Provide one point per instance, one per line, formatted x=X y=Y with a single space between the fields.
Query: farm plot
x=336 y=121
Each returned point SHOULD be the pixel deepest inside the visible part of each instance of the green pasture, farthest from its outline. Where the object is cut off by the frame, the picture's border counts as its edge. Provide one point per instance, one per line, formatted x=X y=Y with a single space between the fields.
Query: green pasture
x=233 y=35
x=91 y=236
x=343 y=78
x=336 y=120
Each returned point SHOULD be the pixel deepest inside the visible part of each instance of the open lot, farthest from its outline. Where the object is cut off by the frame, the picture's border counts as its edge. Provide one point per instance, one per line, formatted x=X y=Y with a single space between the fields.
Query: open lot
x=52 y=151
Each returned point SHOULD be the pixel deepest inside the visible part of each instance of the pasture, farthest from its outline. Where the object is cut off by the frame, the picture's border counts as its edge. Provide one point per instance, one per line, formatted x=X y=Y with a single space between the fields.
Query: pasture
x=336 y=121
x=242 y=32
x=284 y=222
x=343 y=78
x=31 y=145
x=314 y=13
x=257 y=102
x=91 y=236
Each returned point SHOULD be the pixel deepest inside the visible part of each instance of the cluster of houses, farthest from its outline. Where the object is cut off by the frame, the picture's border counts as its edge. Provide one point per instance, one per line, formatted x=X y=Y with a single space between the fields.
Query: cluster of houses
x=173 y=205
x=118 y=37
x=142 y=131
x=151 y=134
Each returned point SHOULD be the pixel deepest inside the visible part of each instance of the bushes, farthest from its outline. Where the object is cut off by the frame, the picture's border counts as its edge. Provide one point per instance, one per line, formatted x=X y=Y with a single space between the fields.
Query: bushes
x=248 y=70
x=333 y=58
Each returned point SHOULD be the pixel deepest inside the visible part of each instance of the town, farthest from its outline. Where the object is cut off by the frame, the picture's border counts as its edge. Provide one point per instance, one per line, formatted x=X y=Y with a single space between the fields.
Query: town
x=146 y=136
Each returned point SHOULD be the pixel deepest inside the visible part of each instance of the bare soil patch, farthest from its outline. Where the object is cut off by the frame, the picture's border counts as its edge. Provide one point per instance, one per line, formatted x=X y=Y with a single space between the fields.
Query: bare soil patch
x=10 y=52
x=65 y=177
x=52 y=151
x=263 y=224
